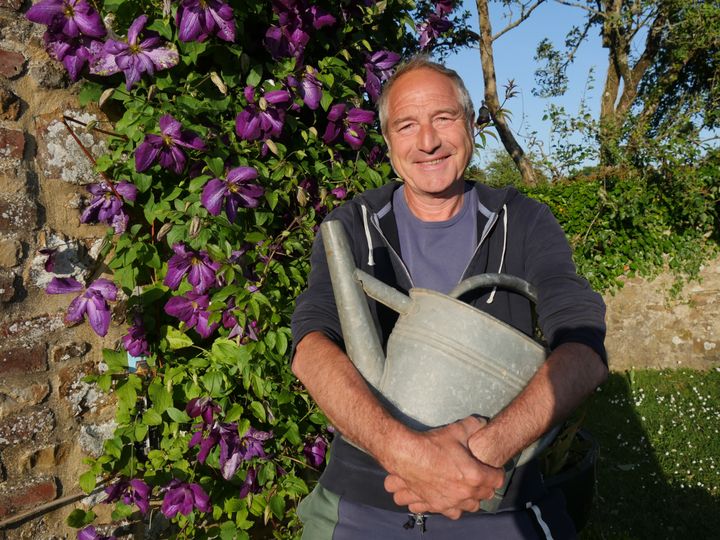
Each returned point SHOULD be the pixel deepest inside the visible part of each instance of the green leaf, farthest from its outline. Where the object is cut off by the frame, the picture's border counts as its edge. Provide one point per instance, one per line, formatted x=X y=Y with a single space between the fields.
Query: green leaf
x=175 y=338
x=234 y=412
x=255 y=76
x=78 y=518
x=162 y=27
x=90 y=93
x=159 y=395
x=258 y=410
x=277 y=505
x=228 y=531
x=117 y=361
x=152 y=418
x=177 y=415
x=87 y=481
x=213 y=381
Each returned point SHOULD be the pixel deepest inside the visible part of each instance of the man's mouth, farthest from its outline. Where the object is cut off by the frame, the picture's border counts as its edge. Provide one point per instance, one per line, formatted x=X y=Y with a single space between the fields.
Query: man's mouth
x=433 y=162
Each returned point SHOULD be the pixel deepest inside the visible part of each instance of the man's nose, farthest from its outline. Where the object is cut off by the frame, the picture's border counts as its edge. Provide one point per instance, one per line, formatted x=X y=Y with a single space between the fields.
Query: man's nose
x=428 y=138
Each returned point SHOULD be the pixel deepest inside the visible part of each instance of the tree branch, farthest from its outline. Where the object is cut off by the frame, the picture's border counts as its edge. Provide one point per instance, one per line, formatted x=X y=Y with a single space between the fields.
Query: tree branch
x=523 y=16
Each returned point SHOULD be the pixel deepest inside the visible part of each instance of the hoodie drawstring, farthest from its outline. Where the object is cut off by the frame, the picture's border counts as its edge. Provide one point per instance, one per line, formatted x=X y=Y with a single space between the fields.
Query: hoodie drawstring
x=502 y=256
x=371 y=260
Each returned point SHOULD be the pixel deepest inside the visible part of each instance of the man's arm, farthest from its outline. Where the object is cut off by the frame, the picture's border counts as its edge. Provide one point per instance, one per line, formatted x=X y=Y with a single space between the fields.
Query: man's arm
x=570 y=374
x=436 y=465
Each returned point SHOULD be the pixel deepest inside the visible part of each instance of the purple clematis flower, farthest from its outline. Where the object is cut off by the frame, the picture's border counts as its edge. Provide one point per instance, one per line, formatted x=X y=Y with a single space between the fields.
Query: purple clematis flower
x=192 y=309
x=71 y=18
x=297 y=20
x=135 y=341
x=135 y=56
x=250 y=484
x=350 y=124
x=200 y=269
x=315 y=451
x=234 y=192
x=90 y=533
x=203 y=407
x=233 y=448
x=133 y=491
x=92 y=302
x=106 y=205
x=339 y=192
x=309 y=89
x=432 y=28
x=181 y=497
x=198 y=19
x=165 y=147
x=74 y=53
x=444 y=7
x=263 y=118
x=378 y=69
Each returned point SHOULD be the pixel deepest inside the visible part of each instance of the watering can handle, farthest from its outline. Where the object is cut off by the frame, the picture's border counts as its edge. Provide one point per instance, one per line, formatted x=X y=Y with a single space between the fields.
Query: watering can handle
x=504 y=281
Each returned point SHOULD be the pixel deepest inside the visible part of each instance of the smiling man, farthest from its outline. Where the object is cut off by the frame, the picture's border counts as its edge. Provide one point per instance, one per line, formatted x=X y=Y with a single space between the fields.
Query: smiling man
x=432 y=230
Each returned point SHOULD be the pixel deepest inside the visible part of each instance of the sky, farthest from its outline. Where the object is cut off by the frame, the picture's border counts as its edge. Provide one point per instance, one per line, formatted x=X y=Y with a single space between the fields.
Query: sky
x=514 y=52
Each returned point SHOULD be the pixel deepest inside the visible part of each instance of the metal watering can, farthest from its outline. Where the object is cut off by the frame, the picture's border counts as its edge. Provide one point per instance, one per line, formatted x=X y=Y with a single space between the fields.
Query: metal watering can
x=445 y=359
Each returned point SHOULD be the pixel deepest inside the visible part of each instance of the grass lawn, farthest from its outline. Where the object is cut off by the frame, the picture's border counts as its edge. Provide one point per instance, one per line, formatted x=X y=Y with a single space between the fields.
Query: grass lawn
x=658 y=475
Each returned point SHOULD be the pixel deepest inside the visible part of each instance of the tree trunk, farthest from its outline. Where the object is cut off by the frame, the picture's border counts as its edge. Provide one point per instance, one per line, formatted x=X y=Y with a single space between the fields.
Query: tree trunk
x=492 y=102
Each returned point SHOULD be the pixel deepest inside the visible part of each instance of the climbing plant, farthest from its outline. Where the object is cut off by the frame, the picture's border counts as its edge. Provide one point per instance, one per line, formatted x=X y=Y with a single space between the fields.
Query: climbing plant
x=237 y=125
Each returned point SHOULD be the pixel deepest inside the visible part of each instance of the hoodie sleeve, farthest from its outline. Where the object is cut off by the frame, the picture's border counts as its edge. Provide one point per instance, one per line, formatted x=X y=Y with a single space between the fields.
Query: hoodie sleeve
x=568 y=309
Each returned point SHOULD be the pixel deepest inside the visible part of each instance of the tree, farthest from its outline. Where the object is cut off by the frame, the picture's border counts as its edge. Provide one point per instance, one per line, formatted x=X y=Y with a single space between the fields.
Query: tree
x=663 y=67
x=492 y=102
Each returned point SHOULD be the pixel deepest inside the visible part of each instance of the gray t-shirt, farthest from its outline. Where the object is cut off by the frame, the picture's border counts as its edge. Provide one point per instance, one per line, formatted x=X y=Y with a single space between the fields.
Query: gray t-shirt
x=437 y=252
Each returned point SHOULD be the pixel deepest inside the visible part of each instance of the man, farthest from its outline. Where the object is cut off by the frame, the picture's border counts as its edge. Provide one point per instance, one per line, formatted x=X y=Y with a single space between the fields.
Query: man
x=433 y=230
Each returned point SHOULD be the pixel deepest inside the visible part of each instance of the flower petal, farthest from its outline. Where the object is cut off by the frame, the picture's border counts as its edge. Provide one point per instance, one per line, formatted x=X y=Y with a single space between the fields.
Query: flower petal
x=64 y=285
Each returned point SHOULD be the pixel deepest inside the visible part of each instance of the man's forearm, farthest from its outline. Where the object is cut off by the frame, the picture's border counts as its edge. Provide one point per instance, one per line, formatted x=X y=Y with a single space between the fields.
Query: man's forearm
x=418 y=459
x=570 y=374
x=344 y=396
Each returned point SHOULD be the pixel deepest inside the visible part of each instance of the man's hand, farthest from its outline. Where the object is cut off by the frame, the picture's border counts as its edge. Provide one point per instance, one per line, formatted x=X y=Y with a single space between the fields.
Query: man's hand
x=437 y=473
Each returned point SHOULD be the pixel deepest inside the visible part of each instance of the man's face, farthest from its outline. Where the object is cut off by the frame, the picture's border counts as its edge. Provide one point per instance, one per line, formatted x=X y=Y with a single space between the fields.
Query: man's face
x=427 y=134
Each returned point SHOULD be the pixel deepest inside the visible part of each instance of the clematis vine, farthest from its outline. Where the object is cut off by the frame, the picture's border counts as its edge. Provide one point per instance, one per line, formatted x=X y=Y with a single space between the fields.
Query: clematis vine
x=264 y=116
x=349 y=123
x=198 y=19
x=69 y=18
x=200 y=269
x=165 y=147
x=133 y=491
x=135 y=56
x=93 y=302
x=296 y=22
x=315 y=451
x=378 y=69
x=234 y=192
x=182 y=498
x=135 y=341
x=192 y=309
x=107 y=203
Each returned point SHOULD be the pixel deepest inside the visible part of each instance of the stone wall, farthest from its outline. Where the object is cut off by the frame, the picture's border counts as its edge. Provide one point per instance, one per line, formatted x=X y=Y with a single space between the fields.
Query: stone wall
x=648 y=329
x=49 y=418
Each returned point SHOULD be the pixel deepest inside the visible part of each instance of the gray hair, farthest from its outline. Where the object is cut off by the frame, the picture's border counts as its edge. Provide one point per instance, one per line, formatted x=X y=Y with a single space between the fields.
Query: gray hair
x=423 y=61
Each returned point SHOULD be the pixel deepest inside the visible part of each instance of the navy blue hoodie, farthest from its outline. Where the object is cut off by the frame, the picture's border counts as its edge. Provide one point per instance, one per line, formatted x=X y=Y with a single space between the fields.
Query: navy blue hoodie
x=516 y=235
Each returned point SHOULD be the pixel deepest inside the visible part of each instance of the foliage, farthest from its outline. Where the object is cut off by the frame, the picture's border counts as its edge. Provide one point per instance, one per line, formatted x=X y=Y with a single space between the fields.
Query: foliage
x=661 y=79
x=239 y=126
x=658 y=469
x=622 y=222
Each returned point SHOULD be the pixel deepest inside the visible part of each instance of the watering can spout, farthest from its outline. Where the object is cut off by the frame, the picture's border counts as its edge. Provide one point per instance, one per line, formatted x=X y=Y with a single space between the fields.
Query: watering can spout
x=362 y=343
